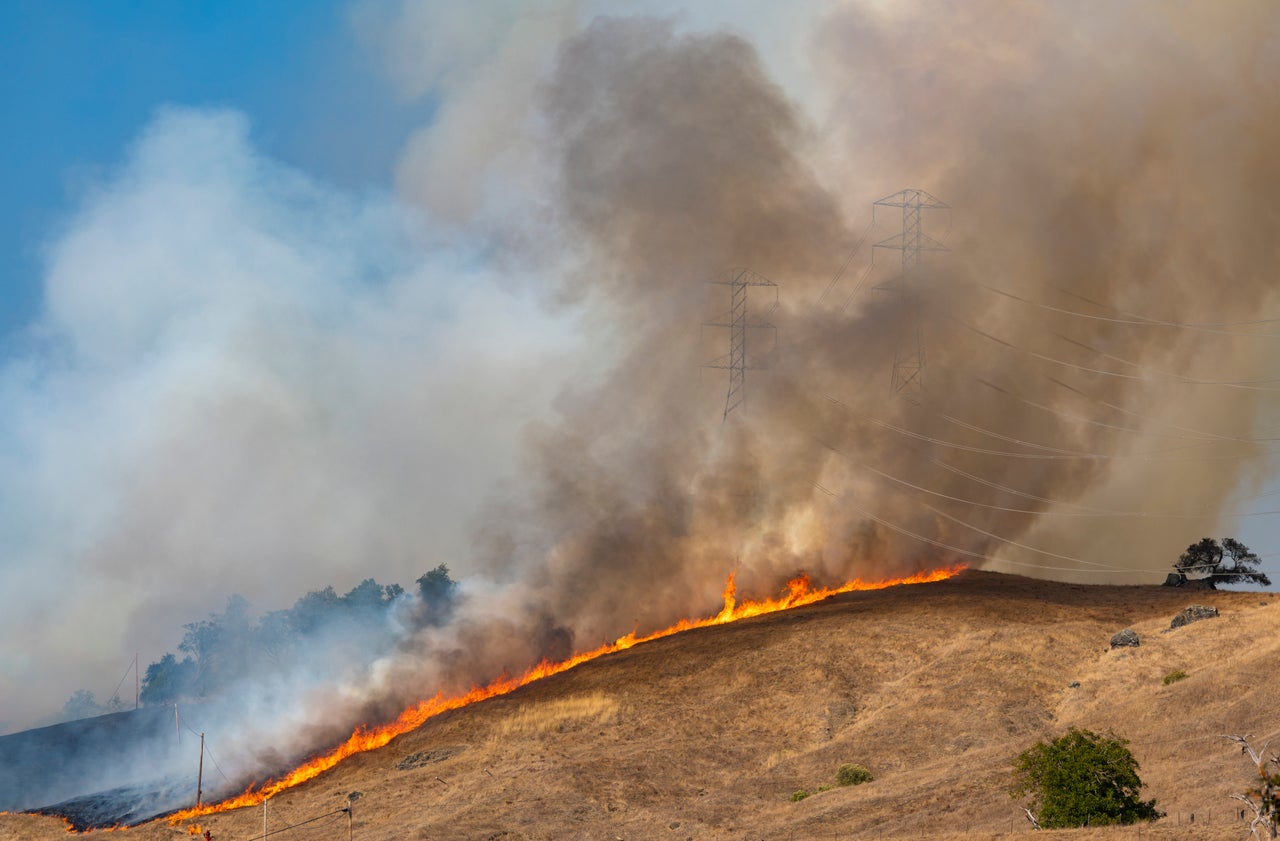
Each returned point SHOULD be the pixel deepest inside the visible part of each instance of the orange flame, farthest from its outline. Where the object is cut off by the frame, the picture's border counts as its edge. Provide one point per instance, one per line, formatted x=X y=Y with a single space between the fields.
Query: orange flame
x=800 y=591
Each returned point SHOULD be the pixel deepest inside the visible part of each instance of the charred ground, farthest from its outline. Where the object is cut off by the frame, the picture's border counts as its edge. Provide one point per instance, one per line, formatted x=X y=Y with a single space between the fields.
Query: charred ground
x=707 y=734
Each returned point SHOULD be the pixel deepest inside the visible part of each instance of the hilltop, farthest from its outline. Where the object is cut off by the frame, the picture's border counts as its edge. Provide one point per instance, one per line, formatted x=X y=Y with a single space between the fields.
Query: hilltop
x=705 y=735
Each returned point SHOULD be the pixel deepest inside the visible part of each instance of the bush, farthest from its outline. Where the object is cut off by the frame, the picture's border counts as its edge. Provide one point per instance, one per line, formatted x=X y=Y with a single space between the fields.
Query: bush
x=1082 y=779
x=1175 y=676
x=852 y=775
x=798 y=795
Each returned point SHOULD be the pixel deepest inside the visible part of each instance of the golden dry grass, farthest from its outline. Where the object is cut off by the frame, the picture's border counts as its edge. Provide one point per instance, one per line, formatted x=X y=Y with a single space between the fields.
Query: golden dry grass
x=934 y=688
x=559 y=714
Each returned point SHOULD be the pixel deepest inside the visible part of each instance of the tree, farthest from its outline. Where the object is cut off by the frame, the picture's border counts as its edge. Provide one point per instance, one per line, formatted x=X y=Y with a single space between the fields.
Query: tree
x=437 y=591
x=81 y=704
x=168 y=680
x=1082 y=779
x=1212 y=563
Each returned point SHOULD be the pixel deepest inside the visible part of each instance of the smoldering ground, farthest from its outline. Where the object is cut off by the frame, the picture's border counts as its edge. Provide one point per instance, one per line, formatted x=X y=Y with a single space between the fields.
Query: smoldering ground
x=1092 y=401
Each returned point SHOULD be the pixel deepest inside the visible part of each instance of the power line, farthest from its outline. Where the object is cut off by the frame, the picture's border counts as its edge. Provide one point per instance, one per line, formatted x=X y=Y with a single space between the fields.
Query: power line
x=300 y=823
x=1103 y=568
x=1147 y=320
x=1011 y=454
x=1204 y=327
x=1247 y=385
x=1087 y=513
x=1196 y=435
x=133 y=667
x=857 y=246
x=1142 y=367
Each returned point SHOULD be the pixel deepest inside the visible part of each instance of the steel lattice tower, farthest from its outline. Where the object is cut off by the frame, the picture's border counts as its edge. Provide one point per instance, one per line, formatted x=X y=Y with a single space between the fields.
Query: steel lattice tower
x=739 y=280
x=908 y=357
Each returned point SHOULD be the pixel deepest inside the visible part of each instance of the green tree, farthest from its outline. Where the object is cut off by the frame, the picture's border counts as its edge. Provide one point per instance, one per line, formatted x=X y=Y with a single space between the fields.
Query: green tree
x=1082 y=779
x=437 y=591
x=81 y=704
x=1229 y=562
x=168 y=680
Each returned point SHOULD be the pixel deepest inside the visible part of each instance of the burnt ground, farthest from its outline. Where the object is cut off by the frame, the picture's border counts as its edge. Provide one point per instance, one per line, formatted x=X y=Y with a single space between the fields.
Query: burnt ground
x=102 y=771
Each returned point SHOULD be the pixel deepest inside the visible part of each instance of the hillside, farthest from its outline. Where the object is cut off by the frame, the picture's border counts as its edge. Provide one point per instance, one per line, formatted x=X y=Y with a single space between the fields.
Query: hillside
x=705 y=735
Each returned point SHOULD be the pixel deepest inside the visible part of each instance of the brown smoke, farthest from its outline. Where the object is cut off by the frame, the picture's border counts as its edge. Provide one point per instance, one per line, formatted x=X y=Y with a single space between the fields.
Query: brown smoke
x=1123 y=156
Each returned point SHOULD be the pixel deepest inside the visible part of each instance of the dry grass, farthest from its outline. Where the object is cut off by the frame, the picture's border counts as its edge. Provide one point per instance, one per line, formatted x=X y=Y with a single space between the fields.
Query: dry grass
x=934 y=688
x=560 y=715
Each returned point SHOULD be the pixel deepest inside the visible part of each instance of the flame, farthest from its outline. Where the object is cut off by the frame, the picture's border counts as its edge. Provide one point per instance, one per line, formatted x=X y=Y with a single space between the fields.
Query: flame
x=800 y=591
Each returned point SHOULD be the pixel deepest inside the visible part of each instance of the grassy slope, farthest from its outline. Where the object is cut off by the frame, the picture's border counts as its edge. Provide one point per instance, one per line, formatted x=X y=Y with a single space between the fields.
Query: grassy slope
x=933 y=687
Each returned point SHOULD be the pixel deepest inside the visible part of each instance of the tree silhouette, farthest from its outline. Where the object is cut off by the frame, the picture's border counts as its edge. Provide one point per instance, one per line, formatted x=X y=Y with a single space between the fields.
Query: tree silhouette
x=1212 y=563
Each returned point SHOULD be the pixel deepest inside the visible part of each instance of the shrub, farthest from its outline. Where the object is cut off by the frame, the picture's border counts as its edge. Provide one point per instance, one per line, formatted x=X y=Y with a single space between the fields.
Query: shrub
x=852 y=775
x=799 y=794
x=1175 y=676
x=1082 y=779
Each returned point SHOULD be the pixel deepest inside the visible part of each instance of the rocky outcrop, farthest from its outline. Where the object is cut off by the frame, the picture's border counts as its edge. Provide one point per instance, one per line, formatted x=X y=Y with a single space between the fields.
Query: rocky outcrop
x=1127 y=638
x=1194 y=613
x=1178 y=579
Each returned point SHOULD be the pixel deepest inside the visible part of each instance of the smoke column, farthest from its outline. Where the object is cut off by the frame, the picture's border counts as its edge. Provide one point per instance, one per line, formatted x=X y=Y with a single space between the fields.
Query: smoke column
x=1120 y=169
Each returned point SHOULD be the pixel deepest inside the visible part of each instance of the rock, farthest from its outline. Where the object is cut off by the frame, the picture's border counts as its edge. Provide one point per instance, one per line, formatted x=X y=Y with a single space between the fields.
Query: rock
x=1125 y=639
x=1194 y=613
x=1075 y=684
x=1178 y=579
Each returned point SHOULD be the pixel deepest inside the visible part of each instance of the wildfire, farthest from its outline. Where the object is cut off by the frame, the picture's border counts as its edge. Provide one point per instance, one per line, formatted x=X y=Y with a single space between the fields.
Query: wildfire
x=800 y=591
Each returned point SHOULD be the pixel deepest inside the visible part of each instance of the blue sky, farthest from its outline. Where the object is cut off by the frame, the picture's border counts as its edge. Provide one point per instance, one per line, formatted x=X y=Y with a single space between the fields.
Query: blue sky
x=82 y=79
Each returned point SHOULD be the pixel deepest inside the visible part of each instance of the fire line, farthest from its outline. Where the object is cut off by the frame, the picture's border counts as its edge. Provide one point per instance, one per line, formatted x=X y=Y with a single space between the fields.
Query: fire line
x=800 y=591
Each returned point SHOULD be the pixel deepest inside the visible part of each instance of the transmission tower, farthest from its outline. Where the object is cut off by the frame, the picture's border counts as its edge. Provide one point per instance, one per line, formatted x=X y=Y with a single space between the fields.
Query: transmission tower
x=908 y=357
x=739 y=280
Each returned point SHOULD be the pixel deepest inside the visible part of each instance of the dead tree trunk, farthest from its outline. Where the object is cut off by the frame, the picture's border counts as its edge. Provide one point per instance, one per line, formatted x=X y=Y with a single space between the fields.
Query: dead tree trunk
x=1263 y=801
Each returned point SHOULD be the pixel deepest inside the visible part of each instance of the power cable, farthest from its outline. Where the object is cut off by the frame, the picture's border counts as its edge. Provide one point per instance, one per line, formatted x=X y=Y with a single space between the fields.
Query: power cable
x=1196 y=435
x=1204 y=327
x=1141 y=367
x=208 y=752
x=116 y=691
x=1010 y=454
x=1011 y=440
x=1089 y=512
x=1251 y=386
x=1145 y=320
x=857 y=287
x=845 y=265
x=288 y=827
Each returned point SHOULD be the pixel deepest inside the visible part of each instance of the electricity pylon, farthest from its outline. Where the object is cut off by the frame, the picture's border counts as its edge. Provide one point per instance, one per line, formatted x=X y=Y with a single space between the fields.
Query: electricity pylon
x=739 y=280
x=908 y=357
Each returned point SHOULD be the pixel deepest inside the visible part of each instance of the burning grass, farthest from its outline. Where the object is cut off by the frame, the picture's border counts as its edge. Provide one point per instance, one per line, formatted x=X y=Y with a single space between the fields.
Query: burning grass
x=800 y=591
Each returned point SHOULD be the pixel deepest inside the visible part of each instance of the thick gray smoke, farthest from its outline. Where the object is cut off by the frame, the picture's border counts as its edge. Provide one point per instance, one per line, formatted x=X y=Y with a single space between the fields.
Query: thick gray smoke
x=1122 y=170
x=1111 y=173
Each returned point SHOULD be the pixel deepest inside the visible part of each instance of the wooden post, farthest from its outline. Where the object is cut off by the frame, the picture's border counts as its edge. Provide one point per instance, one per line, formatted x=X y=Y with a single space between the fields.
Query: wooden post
x=200 y=773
